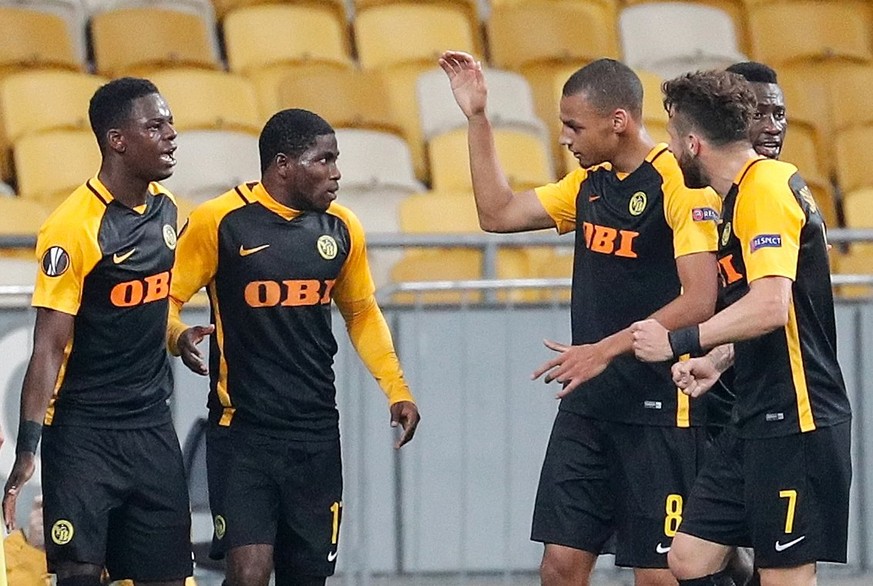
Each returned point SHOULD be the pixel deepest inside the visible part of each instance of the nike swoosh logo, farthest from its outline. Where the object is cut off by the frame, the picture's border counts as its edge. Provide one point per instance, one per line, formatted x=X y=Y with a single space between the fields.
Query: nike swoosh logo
x=120 y=258
x=247 y=251
x=593 y=197
x=332 y=556
x=792 y=543
x=661 y=549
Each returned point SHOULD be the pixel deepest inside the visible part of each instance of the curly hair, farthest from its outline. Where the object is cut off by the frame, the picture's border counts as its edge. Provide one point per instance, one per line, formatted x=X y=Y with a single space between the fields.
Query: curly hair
x=720 y=104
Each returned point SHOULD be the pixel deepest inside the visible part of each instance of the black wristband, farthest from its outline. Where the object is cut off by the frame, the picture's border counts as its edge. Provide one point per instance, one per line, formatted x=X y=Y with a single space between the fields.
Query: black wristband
x=685 y=341
x=28 y=436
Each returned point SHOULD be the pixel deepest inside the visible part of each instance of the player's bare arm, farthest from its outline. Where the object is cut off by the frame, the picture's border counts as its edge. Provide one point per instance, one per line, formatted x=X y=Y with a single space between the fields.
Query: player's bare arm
x=577 y=364
x=52 y=331
x=500 y=210
x=763 y=309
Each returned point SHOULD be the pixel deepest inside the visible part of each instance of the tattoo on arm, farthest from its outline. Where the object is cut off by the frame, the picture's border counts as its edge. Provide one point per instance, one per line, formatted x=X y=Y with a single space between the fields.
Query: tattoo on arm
x=722 y=357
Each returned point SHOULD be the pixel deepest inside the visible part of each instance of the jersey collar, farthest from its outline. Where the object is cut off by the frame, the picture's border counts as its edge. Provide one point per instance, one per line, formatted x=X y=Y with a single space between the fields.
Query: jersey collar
x=745 y=169
x=262 y=196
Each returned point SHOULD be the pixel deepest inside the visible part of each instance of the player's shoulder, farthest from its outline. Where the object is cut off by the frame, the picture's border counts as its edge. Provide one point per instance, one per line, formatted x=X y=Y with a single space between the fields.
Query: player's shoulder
x=770 y=171
x=158 y=190
x=83 y=206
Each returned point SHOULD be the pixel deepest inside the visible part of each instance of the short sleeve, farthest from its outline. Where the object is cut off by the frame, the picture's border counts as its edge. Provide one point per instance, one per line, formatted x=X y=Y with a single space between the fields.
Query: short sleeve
x=66 y=255
x=559 y=199
x=767 y=221
x=354 y=282
x=693 y=215
x=196 y=253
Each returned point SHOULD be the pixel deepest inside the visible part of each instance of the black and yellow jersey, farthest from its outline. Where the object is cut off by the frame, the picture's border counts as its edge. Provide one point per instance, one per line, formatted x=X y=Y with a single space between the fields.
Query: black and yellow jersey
x=109 y=266
x=787 y=381
x=271 y=273
x=630 y=228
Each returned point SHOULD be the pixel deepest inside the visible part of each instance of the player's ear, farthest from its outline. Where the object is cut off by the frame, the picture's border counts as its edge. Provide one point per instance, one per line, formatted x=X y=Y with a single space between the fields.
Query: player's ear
x=115 y=140
x=693 y=144
x=620 y=119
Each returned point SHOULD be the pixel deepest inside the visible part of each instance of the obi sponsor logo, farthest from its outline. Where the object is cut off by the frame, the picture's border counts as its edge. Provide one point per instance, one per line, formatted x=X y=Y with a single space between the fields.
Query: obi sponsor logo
x=289 y=293
x=141 y=291
x=606 y=240
x=704 y=215
x=766 y=241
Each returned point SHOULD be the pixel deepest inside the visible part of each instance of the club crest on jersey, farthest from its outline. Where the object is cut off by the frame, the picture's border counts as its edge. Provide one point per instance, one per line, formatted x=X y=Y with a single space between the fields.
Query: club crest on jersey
x=327 y=247
x=62 y=532
x=726 y=234
x=637 y=203
x=766 y=241
x=170 y=237
x=220 y=526
x=55 y=261
x=704 y=215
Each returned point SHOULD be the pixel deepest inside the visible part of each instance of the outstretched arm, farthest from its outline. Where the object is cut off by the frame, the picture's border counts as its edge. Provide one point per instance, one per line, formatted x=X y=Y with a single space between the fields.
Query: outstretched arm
x=500 y=210
x=577 y=364
x=51 y=333
x=371 y=338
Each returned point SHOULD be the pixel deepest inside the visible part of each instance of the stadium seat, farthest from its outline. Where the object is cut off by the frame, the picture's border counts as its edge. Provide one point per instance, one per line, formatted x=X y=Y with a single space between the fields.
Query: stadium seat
x=856 y=261
x=35 y=39
x=526 y=36
x=411 y=33
x=552 y=264
x=222 y=7
x=825 y=199
x=140 y=40
x=377 y=175
x=701 y=37
x=510 y=103
x=524 y=158
x=736 y=9
x=36 y=157
x=357 y=98
x=41 y=100
x=401 y=83
x=21 y=217
x=802 y=30
x=209 y=100
x=801 y=148
x=267 y=35
x=73 y=12
x=854 y=150
x=210 y=162
x=858 y=209
x=852 y=95
x=450 y=213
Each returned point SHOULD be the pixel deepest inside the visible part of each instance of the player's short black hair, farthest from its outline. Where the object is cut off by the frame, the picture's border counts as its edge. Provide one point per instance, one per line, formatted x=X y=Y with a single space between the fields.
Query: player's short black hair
x=608 y=84
x=754 y=72
x=290 y=132
x=112 y=103
x=720 y=104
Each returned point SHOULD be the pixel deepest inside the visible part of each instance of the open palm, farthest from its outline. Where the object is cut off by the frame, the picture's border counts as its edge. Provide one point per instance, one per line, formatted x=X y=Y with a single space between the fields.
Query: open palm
x=467 y=80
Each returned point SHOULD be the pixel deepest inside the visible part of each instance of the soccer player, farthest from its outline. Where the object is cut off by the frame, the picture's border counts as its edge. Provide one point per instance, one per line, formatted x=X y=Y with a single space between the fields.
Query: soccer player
x=98 y=382
x=273 y=256
x=625 y=445
x=769 y=124
x=778 y=479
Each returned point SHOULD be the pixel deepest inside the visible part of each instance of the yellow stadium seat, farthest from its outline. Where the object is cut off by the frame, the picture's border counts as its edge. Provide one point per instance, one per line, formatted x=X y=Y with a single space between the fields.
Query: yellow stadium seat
x=802 y=30
x=825 y=199
x=274 y=34
x=524 y=158
x=852 y=95
x=357 y=98
x=854 y=150
x=138 y=41
x=527 y=35
x=266 y=81
x=35 y=39
x=401 y=83
x=20 y=217
x=209 y=100
x=858 y=209
x=36 y=101
x=36 y=162
x=398 y=34
x=222 y=7
x=553 y=264
x=470 y=9
x=801 y=148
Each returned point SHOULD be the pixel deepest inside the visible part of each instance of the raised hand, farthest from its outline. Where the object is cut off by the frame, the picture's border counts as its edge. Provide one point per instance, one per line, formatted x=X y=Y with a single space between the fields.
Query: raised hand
x=468 y=81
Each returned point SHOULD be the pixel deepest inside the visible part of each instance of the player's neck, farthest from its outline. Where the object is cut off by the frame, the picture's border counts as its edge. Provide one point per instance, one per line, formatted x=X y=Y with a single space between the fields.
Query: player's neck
x=724 y=165
x=124 y=187
x=631 y=154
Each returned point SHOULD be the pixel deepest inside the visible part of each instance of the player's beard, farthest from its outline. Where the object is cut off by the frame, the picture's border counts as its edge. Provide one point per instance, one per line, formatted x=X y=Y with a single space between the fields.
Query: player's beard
x=692 y=171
